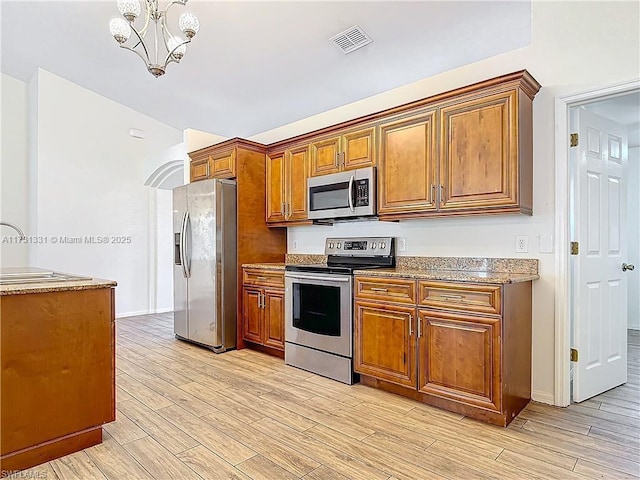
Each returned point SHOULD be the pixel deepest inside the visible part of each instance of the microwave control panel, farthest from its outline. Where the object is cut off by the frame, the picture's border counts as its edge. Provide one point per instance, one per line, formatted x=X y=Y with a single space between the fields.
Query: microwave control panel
x=361 y=193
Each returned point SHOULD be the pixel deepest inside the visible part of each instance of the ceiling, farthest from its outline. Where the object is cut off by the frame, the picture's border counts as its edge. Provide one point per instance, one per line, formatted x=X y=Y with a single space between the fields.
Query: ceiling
x=255 y=66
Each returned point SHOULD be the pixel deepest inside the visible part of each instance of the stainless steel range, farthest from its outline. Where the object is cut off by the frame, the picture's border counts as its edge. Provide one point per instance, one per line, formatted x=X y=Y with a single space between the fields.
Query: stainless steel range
x=319 y=305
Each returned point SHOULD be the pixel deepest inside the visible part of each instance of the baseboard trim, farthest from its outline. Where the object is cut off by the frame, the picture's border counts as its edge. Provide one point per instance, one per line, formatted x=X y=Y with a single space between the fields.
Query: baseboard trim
x=542 y=397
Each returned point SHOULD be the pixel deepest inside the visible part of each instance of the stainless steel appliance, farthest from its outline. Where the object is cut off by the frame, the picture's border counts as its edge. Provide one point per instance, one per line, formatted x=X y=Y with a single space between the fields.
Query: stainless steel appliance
x=342 y=195
x=205 y=263
x=319 y=305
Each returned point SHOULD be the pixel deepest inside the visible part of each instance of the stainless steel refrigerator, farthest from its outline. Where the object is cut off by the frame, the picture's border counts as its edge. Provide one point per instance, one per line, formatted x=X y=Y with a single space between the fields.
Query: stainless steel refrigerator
x=205 y=263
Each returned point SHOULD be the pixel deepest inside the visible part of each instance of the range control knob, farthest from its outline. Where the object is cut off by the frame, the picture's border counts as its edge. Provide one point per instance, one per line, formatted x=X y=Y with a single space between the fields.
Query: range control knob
x=383 y=245
x=338 y=245
x=330 y=244
x=373 y=245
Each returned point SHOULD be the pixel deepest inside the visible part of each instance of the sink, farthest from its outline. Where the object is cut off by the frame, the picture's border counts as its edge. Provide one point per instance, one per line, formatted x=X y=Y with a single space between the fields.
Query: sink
x=20 y=275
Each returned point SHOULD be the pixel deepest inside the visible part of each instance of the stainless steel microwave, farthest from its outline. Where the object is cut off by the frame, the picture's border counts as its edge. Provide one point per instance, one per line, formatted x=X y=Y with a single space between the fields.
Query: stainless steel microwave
x=342 y=195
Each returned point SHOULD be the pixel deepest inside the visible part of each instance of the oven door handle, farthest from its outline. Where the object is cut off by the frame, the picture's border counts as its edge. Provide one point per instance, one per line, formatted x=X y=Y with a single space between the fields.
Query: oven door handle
x=351 y=193
x=320 y=279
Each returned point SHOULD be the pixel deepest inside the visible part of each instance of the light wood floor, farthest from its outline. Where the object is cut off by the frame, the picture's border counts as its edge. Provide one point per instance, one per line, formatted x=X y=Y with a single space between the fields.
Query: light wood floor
x=184 y=412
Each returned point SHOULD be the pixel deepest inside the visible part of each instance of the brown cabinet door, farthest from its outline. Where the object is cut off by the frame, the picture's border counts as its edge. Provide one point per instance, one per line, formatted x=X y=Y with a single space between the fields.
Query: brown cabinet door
x=479 y=153
x=252 y=314
x=406 y=164
x=199 y=170
x=358 y=149
x=275 y=188
x=274 y=319
x=385 y=342
x=459 y=358
x=324 y=157
x=223 y=164
x=297 y=167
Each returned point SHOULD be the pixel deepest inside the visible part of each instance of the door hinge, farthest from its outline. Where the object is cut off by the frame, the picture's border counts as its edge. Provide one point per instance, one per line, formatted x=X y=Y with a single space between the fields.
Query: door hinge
x=575 y=248
x=574 y=355
x=574 y=139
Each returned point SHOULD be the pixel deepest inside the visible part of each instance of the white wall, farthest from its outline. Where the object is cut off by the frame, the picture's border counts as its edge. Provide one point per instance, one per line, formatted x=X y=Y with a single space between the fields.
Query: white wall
x=164 y=249
x=89 y=182
x=14 y=171
x=566 y=38
x=634 y=238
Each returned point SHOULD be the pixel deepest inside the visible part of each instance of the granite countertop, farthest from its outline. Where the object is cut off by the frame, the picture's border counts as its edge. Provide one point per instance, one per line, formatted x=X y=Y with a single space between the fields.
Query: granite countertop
x=455 y=269
x=25 y=280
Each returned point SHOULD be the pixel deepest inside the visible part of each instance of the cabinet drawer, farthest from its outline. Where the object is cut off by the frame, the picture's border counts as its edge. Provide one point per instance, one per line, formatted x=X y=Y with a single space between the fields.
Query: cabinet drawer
x=386 y=289
x=457 y=296
x=265 y=278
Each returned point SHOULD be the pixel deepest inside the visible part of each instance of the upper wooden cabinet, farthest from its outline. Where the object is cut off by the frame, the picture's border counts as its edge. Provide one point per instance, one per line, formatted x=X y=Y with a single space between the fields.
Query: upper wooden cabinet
x=343 y=152
x=467 y=154
x=213 y=162
x=287 y=185
x=468 y=151
x=479 y=160
x=407 y=165
x=221 y=160
x=275 y=188
x=200 y=170
x=223 y=164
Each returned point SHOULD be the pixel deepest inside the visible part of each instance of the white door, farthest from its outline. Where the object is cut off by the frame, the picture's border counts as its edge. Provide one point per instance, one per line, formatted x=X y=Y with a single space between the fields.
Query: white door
x=599 y=284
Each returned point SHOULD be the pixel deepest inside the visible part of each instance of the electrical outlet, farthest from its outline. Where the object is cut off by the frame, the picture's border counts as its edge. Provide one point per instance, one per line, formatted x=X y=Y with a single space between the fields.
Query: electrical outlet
x=295 y=244
x=522 y=244
x=402 y=244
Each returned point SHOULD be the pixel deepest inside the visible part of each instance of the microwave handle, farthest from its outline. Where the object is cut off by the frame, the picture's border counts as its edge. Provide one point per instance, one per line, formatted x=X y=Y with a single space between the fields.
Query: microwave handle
x=351 y=194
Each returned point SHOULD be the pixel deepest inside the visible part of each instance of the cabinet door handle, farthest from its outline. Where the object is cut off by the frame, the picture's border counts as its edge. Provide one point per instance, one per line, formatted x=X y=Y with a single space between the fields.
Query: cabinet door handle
x=451 y=295
x=287 y=210
x=342 y=161
x=375 y=289
x=432 y=194
x=410 y=325
x=282 y=209
x=261 y=300
x=261 y=278
x=419 y=327
x=441 y=194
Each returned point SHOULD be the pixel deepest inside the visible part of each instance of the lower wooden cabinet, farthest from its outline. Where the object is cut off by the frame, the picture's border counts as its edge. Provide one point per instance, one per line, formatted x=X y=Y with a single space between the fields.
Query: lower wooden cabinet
x=452 y=354
x=459 y=358
x=263 y=307
x=385 y=343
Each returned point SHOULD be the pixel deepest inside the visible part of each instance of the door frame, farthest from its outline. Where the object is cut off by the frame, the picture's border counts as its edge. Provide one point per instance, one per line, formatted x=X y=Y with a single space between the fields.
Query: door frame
x=563 y=296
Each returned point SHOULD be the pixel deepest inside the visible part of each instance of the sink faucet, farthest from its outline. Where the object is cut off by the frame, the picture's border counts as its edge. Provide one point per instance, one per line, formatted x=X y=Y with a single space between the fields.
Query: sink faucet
x=16 y=228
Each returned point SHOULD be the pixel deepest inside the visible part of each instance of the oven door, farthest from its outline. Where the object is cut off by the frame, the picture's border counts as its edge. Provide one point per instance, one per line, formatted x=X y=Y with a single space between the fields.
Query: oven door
x=318 y=311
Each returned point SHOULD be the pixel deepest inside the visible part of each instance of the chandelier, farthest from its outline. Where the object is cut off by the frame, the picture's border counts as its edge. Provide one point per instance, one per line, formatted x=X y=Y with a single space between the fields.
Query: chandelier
x=163 y=47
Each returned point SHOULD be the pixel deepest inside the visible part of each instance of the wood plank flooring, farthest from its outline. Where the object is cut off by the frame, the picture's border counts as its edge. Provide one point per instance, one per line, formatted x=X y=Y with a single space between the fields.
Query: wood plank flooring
x=184 y=412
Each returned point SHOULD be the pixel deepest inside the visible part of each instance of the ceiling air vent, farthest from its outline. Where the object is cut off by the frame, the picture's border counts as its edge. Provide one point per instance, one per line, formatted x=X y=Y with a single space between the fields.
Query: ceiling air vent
x=351 y=39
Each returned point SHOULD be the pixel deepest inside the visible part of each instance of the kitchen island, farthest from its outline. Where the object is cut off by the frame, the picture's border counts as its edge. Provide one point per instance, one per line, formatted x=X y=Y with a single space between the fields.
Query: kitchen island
x=57 y=378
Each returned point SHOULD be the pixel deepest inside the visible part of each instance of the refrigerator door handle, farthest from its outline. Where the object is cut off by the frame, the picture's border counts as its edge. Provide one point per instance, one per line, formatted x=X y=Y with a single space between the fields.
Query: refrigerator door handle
x=181 y=245
x=186 y=254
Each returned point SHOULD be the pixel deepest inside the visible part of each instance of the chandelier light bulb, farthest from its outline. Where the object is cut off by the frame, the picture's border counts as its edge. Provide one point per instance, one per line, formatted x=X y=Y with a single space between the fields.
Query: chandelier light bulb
x=130 y=9
x=179 y=52
x=120 y=30
x=189 y=24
